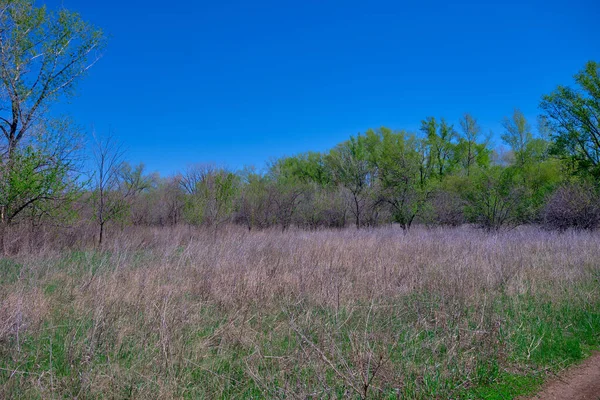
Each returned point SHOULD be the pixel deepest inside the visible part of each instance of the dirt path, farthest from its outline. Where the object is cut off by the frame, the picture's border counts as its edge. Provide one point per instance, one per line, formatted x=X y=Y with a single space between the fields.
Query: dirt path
x=582 y=382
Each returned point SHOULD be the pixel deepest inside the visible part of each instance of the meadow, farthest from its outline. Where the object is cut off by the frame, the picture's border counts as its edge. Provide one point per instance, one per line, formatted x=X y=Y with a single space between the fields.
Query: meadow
x=374 y=313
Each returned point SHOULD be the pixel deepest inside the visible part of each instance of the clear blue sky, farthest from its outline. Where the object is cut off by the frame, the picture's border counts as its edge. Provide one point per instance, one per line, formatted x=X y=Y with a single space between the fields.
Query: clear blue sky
x=240 y=82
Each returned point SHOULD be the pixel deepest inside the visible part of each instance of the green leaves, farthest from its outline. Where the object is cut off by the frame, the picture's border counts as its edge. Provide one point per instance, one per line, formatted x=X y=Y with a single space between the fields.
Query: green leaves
x=211 y=195
x=495 y=198
x=43 y=54
x=574 y=115
x=30 y=178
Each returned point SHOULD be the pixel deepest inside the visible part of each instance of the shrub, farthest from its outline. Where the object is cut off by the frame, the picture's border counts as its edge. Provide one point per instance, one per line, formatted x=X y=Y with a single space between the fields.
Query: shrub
x=444 y=208
x=573 y=206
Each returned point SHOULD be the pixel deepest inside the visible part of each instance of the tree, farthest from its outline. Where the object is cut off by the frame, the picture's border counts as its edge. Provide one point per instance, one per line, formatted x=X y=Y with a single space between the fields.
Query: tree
x=210 y=193
x=306 y=168
x=495 y=198
x=574 y=116
x=163 y=205
x=350 y=168
x=469 y=151
x=115 y=182
x=321 y=207
x=531 y=167
x=43 y=55
x=255 y=207
x=440 y=139
x=399 y=160
x=518 y=136
x=40 y=175
x=289 y=185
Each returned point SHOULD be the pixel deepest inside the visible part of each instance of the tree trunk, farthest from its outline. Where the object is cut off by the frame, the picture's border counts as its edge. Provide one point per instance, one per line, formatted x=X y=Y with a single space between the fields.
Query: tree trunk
x=357 y=214
x=101 y=235
x=2 y=242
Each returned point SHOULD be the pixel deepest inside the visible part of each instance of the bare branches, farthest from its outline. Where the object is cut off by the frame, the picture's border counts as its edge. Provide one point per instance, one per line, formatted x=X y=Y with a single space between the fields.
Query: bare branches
x=115 y=183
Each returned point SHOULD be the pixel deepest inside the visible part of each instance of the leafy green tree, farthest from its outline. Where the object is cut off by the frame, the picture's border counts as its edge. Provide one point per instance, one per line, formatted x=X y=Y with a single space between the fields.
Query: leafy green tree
x=440 y=139
x=495 y=198
x=534 y=171
x=30 y=181
x=43 y=55
x=574 y=117
x=351 y=169
x=40 y=175
x=211 y=195
x=306 y=167
x=519 y=137
x=469 y=151
x=403 y=186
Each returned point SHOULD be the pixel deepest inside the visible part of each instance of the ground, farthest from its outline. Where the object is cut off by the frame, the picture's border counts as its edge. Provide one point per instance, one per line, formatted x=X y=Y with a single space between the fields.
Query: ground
x=581 y=382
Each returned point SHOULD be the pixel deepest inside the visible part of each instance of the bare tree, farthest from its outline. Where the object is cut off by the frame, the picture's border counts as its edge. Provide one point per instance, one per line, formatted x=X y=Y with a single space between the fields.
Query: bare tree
x=573 y=206
x=114 y=183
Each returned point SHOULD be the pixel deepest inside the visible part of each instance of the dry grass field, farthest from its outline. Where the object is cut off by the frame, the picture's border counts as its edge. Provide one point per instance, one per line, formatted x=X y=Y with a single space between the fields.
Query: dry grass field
x=182 y=313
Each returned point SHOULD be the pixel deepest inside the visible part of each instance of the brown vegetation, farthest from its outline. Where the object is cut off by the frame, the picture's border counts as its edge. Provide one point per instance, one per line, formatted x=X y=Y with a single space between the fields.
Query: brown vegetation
x=180 y=312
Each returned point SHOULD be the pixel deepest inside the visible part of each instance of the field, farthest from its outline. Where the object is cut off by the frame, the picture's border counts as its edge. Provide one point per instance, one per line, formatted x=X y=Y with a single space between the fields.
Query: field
x=184 y=313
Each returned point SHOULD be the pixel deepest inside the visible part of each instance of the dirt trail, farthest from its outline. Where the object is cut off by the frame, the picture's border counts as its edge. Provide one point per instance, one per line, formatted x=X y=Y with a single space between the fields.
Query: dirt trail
x=582 y=382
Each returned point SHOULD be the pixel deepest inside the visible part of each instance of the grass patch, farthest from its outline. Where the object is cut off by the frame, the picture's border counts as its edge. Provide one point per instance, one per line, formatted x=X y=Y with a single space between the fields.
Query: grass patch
x=131 y=325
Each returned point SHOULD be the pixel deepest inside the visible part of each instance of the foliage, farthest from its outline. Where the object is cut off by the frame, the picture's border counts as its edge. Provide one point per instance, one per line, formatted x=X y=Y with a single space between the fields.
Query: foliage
x=439 y=175
x=43 y=55
x=470 y=151
x=351 y=169
x=574 y=115
x=210 y=195
x=403 y=175
x=495 y=199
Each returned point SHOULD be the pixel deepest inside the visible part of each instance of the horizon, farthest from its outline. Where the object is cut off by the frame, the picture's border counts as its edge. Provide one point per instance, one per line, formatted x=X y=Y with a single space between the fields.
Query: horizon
x=234 y=84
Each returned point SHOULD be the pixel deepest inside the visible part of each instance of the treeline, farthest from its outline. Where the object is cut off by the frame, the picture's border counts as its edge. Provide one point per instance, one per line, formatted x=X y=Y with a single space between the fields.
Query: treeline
x=438 y=176
x=444 y=174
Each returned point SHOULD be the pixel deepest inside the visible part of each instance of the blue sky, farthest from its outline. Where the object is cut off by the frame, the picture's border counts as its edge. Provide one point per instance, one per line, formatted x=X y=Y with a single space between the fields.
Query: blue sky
x=240 y=82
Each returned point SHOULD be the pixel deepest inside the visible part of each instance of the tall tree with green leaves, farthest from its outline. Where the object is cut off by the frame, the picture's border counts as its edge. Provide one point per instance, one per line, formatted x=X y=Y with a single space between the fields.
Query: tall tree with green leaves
x=402 y=183
x=532 y=170
x=470 y=151
x=43 y=55
x=574 y=116
x=351 y=169
x=440 y=139
x=517 y=134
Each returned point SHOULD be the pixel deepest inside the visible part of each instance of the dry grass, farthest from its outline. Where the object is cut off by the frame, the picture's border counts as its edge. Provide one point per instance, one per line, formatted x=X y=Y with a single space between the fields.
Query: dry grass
x=179 y=313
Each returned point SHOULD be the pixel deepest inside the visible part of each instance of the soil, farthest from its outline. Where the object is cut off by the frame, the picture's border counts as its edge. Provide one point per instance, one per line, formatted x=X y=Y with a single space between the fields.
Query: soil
x=581 y=382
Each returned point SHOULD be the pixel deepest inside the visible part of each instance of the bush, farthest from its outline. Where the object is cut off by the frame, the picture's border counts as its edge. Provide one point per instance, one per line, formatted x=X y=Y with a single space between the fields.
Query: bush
x=496 y=200
x=444 y=208
x=573 y=206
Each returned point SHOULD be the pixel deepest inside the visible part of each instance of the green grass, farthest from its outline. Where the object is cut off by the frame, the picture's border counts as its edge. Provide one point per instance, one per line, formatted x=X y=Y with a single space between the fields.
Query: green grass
x=10 y=271
x=522 y=337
